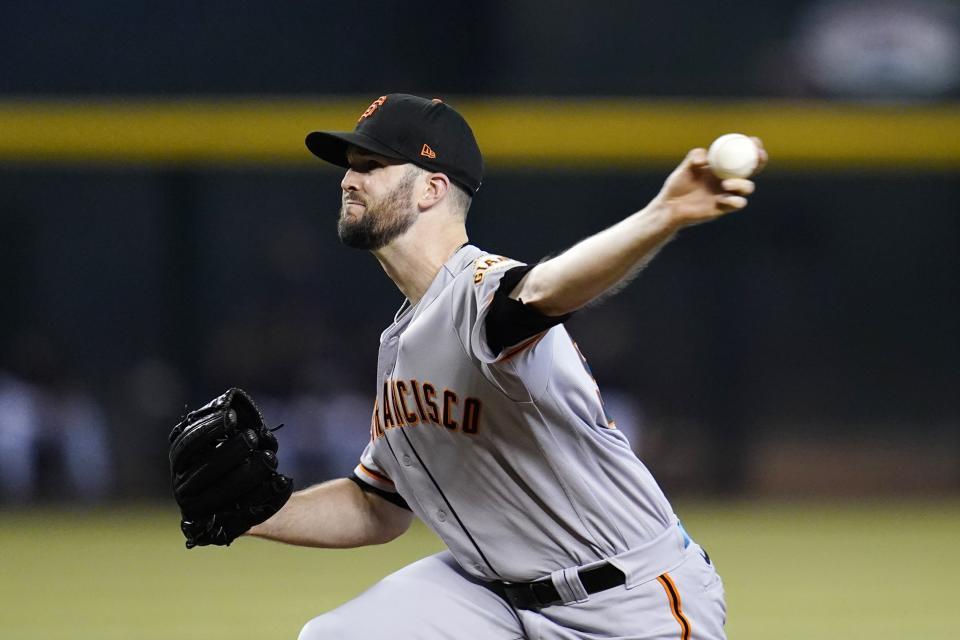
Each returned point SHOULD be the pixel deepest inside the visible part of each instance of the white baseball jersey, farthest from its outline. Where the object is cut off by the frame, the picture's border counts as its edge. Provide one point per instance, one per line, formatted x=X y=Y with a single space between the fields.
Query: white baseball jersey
x=507 y=456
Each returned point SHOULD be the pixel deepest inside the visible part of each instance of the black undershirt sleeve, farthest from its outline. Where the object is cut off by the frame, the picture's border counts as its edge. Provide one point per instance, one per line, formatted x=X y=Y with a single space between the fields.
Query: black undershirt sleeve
x=395 y=498
x=509 y=321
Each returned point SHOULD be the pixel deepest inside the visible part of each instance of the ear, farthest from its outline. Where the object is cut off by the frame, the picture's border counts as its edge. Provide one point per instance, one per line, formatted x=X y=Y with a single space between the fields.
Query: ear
x=436 y=187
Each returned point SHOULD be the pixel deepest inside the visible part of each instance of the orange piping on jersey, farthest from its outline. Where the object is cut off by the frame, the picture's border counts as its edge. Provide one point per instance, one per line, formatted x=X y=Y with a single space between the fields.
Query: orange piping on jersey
x=674 y=597
x=376 y=476
x=529 y=343
x=577 y=347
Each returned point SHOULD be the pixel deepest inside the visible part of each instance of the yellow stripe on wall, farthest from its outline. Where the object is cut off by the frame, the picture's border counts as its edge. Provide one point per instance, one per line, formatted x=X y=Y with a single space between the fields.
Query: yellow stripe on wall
x=560 y=132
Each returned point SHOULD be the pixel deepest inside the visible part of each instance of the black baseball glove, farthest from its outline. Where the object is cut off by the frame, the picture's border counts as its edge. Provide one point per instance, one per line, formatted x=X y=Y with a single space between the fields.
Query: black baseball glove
x=223 y=461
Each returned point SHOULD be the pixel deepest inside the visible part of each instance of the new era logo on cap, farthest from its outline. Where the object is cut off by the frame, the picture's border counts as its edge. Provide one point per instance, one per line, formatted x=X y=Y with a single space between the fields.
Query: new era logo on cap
x=409 y=128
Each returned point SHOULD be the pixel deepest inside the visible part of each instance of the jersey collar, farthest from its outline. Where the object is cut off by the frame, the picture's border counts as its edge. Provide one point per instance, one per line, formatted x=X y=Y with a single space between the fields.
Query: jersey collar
x=461 y=259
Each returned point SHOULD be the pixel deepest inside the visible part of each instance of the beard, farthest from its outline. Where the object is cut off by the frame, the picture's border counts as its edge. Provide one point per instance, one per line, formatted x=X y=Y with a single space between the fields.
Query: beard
x=382 y=221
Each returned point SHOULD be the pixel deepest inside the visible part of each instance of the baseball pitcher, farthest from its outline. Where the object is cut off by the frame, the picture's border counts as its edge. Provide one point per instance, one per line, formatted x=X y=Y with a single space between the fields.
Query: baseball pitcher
x=486 y=422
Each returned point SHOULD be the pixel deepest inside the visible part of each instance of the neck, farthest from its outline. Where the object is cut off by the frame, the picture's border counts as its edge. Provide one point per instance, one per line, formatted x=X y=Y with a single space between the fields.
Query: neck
x=413 y=263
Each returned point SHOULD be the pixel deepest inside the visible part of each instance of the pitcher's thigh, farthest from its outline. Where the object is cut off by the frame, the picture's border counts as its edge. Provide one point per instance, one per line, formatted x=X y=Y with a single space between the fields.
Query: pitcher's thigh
x=430 y=599
x=700 y=596
x=684 y=604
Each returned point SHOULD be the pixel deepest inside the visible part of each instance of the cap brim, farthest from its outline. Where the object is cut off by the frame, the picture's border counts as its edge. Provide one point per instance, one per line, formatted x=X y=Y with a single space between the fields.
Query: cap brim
x=332 y=146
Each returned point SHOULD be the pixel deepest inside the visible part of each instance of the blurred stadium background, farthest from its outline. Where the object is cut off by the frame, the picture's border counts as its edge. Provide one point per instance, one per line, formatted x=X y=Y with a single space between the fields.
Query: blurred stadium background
x=789 y=374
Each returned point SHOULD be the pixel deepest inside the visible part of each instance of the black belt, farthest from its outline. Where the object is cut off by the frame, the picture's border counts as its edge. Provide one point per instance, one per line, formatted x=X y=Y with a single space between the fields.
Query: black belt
x=542 y=593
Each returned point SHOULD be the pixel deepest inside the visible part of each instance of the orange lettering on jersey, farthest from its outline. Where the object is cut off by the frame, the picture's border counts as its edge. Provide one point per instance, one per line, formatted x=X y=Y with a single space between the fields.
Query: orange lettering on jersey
x=416 y=396
x=471 y=415
x=449 y=405
x=397 y=415
x=372 y=108
x=428 y=395
x=482 y=266
x=449 y=412
x=387 y=414
x=376 y=429
x=411 y=418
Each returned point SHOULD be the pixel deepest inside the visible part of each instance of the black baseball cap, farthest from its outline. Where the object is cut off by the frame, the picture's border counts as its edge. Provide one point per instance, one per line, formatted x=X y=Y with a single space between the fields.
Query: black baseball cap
x=428 y=133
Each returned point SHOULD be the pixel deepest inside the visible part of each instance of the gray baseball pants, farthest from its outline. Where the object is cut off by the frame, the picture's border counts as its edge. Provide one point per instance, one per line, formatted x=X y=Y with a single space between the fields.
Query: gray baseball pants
x=435 y=599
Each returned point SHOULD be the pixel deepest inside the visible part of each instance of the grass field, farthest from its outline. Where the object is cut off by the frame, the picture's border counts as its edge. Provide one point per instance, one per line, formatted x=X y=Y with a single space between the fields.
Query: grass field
x=872 y=570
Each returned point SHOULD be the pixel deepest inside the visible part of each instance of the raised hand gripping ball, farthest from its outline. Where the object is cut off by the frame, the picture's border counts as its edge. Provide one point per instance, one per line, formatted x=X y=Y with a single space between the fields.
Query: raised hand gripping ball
x=733 y=155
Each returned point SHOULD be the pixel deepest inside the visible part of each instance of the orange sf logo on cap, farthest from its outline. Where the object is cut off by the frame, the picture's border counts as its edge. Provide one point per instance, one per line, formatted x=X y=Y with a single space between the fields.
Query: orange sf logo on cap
x=373 y=107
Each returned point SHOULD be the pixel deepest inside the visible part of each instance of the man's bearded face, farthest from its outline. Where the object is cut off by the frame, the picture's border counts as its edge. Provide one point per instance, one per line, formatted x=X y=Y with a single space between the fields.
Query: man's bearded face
x=382 y=219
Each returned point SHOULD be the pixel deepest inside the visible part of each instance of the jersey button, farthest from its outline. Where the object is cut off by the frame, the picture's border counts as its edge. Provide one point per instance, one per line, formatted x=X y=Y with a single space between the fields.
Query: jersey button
x=406 y=460
x=442 y=515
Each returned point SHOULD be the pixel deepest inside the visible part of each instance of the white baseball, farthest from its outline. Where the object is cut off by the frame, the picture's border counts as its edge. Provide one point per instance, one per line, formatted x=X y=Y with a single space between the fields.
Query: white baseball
x=733 y=155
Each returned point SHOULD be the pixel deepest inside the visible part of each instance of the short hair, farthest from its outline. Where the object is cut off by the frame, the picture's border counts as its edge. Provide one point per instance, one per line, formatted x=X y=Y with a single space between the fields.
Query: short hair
x=461 y=199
